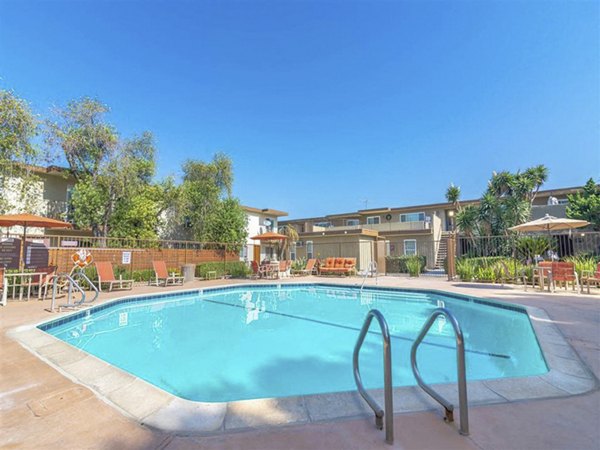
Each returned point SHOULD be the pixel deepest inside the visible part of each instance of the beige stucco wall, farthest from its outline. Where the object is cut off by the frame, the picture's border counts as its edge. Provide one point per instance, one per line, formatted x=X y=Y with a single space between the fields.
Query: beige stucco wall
x=351 y=246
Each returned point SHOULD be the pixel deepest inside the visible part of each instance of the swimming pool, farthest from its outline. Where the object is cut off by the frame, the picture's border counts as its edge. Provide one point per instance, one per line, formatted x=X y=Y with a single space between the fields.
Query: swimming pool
x=251 y=342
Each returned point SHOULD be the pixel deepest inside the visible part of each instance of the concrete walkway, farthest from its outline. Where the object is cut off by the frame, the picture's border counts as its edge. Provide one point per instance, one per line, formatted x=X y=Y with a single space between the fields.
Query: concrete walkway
x=40 y=408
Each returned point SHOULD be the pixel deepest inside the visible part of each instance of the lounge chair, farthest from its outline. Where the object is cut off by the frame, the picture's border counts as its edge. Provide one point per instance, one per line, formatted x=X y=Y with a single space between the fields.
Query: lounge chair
x=589 y=277
x=308 y=270
x=162 y=274
x=341 y=266
x=106 y=275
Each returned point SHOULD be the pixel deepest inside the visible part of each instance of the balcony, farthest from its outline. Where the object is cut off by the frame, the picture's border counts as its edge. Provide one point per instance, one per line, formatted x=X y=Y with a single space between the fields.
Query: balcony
x=539 y=211
x=386 y=226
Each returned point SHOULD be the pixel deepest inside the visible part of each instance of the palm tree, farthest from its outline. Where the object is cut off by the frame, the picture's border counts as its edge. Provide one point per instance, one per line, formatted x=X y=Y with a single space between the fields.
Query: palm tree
x=292 y=236
x=453 y=195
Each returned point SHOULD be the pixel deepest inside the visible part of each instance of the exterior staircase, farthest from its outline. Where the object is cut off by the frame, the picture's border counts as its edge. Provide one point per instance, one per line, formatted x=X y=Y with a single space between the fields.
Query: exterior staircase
x=442 y=252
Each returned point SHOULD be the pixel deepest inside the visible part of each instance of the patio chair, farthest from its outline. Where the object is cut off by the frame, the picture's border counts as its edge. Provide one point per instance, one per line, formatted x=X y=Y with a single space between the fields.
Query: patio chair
x=564 y=273
x=47 y=278
x=589 y=277
x=310 y=268
x=106 y=275
x=284 y=269
x=162 y=274
x=258 y=271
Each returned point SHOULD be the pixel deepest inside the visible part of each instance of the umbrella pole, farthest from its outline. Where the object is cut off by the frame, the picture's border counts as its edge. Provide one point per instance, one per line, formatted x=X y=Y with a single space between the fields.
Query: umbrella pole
x=22 y=251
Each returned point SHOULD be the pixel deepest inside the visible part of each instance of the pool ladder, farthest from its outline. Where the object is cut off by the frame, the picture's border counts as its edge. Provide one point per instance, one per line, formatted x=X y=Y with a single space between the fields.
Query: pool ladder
x=72 y=282
x=388 y=412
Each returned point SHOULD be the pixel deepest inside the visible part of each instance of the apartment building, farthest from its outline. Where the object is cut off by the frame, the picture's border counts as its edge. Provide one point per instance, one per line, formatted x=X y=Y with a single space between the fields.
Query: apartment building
x=407 y=230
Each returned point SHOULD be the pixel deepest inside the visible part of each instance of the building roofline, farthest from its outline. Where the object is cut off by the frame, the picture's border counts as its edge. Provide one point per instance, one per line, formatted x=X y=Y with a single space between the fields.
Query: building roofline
x=267 y=211
x=362 y=212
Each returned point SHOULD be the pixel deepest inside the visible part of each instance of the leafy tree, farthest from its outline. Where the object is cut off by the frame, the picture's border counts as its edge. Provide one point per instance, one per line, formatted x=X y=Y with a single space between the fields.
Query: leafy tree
x=585 y=205
x=120 y=199
x=227 y=224
x=84 y=136
x=18 y=127
x=204 y=186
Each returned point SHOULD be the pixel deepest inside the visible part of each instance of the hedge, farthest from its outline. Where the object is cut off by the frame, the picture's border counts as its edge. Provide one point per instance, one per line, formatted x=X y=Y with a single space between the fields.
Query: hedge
x=397 y=264
x=237 y=269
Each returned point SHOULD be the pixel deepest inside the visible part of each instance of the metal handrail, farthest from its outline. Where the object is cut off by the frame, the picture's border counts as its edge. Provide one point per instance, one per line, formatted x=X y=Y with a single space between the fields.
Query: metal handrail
x=387 y=375
x=371 y=269
x=72 y=283
x=460 y=363
x=90 y=284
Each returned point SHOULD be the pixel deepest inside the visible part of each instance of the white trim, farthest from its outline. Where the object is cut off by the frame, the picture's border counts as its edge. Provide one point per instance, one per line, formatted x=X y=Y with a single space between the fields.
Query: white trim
x=311 y=254
x=406 y=214
x=410 y=240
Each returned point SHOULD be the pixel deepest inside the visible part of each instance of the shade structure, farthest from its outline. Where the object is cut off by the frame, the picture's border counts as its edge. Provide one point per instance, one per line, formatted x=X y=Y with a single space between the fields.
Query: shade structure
x=31 y=220
x=270 y=236
x=550 y=223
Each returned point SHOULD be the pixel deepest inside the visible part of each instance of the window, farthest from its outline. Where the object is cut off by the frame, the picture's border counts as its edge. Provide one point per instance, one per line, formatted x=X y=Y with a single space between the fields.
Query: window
x=413 y=217
x=309 y=250
x=323 y=224
x=293 y=251
x=244 y=253
x=352 y=222
x=373 y=220
x=410 y=247
x=563 y=201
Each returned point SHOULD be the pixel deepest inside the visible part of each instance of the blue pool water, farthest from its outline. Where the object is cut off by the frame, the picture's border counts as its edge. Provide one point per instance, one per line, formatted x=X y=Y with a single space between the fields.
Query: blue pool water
x=264 y=341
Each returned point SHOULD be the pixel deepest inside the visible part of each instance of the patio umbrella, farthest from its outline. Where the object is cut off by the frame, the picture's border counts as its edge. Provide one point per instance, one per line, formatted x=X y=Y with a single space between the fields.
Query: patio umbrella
x=30 y=220
x=550 y=223
x=270 y=236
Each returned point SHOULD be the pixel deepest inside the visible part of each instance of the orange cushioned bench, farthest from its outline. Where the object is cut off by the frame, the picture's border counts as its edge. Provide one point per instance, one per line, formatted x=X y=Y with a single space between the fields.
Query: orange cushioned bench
x=339 y=266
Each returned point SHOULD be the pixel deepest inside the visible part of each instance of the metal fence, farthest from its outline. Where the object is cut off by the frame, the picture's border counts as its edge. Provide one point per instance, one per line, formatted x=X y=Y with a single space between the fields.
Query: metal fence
x=531 y=247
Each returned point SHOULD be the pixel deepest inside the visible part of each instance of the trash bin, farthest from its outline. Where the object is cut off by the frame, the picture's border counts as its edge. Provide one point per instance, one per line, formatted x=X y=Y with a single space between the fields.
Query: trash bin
x=188 y=271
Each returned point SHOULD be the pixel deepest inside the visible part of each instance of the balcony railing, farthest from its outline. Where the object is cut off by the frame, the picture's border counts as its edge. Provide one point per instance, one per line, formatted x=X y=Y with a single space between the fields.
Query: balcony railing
x=386 y=226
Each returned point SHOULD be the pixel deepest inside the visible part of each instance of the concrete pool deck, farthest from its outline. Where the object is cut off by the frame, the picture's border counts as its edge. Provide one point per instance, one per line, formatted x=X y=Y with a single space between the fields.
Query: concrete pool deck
x=39 y=406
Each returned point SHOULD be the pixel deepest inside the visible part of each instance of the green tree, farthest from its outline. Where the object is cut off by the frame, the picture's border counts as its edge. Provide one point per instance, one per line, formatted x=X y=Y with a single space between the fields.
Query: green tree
x=506 y=202
x=119 y=199
x=227 y=224
x=18 y=127
x=585 y=205
x=204 y=186
x=86 y=139
x=292 y=236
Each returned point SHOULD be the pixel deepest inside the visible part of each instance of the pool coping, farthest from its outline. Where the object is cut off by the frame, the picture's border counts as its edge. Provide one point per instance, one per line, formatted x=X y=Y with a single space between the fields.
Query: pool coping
x=151 y=406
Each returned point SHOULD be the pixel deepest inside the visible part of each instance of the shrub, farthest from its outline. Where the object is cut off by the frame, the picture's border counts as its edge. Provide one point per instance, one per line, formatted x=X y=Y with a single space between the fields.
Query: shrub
x=414 y=266
x=490 y=268
x=237 y=269
x=582 y=263
x=398 y=264
x=528 y=247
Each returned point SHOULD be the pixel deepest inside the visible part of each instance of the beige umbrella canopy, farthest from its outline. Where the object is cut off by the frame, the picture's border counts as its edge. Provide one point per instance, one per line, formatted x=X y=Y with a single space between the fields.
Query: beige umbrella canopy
x=30 y=220
x=550 y=223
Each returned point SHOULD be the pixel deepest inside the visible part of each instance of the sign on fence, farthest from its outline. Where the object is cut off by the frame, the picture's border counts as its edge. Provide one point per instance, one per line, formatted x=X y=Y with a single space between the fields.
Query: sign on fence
x=126 y=258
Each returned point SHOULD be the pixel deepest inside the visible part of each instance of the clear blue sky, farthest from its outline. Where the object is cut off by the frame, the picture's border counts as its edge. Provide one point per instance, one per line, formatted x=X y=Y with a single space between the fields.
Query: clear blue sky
x=322 y=105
